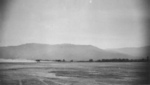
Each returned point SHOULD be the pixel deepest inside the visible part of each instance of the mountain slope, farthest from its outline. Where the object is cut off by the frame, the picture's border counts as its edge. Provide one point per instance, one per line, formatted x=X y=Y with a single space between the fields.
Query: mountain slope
x=134 y=51
x=61 y=51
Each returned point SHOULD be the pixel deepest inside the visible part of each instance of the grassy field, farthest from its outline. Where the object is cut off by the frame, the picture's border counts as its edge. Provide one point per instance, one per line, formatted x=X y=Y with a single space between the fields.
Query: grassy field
x=71 y=73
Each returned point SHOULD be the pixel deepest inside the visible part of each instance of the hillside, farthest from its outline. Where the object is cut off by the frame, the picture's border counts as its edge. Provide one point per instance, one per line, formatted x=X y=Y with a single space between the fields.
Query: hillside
x=134 y=51
x=59 y=51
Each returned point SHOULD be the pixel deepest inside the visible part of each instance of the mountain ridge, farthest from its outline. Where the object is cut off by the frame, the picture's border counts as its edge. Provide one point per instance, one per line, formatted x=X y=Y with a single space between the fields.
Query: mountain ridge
x=58 y=51
x=134 y=51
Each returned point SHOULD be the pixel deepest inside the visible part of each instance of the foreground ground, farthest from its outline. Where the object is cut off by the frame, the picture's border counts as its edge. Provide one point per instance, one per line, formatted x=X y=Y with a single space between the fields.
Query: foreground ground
x=71 y=73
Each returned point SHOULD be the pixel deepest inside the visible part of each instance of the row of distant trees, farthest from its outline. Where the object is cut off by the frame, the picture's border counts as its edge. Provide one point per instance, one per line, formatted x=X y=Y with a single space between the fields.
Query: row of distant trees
x=119 y=60
x=105 y=60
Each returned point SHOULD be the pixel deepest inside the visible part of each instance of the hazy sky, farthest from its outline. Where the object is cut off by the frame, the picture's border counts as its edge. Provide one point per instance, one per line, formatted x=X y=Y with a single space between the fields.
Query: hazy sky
x=102 y=23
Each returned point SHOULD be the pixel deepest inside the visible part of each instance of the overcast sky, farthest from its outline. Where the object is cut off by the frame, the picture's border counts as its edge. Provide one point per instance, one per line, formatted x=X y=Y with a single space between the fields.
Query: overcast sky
x=102 y=23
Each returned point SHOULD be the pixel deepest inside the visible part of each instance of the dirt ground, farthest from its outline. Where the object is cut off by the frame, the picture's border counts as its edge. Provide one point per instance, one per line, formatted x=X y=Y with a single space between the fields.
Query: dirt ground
x=70 y=74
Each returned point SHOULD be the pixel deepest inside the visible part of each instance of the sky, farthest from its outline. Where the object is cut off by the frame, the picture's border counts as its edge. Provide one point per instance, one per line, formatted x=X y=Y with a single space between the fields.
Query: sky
x=102 y=23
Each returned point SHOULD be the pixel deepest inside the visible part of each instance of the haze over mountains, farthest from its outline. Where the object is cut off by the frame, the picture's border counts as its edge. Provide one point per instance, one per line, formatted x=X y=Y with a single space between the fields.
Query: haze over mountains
x=134 y=51
x=61 y=51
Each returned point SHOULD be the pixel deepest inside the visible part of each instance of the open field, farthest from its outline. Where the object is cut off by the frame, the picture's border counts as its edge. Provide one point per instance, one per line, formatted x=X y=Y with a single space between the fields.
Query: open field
x=51 y=73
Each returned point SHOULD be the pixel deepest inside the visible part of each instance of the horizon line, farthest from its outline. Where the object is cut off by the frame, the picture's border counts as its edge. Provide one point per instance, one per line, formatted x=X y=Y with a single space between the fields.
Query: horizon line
x=72 y=44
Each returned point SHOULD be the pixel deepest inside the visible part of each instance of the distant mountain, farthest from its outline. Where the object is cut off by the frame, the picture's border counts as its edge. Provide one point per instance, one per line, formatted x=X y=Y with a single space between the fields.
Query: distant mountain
x=60 y=51
x=136 y=52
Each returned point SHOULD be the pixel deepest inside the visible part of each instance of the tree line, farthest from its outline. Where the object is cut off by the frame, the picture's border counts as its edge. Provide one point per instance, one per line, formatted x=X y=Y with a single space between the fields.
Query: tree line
x=103 y=60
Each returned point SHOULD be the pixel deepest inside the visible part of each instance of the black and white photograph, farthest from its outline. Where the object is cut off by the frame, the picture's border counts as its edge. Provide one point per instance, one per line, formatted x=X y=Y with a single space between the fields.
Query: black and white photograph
x=74 y=42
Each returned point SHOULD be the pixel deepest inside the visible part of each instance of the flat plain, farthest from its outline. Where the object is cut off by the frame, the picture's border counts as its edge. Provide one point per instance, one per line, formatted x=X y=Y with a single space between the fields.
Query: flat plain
x=72 y=73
